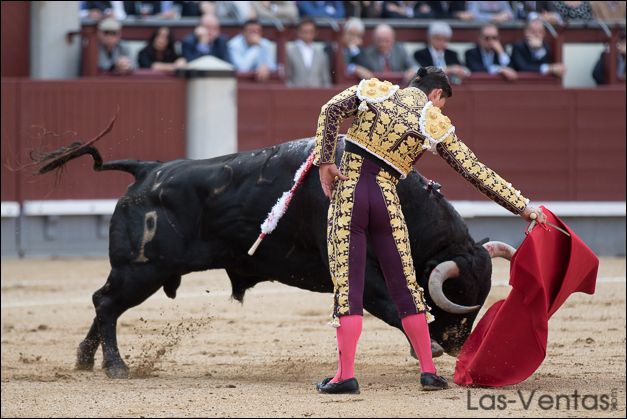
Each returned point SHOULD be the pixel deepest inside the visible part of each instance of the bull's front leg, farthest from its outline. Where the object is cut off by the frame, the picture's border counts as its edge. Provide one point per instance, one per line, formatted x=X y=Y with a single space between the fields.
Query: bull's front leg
x=377 y=302
x=87 y=348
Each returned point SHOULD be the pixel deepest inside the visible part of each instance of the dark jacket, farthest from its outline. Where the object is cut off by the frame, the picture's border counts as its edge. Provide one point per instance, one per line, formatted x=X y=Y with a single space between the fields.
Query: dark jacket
x=474 y=61
x=524 y=60
x=148 y=55
x=218 y=49
x=424 y=59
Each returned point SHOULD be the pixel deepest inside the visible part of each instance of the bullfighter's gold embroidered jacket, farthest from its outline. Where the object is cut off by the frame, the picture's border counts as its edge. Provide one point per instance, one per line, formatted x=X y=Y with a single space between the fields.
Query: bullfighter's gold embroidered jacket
x=397 y=126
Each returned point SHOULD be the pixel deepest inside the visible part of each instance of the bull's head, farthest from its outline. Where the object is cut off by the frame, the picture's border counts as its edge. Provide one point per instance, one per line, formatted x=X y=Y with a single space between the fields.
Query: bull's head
x=468 y=286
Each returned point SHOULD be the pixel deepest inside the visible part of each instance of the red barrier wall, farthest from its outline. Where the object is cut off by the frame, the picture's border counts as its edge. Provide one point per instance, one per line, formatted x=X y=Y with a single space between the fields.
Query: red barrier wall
x=552 y=143
x=49 y=114
x=15 y=40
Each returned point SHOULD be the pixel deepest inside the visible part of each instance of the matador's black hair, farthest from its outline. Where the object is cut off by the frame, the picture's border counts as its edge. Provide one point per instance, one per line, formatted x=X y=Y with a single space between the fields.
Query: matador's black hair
x=429 y=78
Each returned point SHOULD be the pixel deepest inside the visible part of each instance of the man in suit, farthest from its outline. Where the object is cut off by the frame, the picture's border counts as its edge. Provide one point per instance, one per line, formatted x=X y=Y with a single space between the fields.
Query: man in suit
x=306 y=65
x=386 y=55
x=436 y=54
x=535 y=55
x=489 y=56
x=206 y=40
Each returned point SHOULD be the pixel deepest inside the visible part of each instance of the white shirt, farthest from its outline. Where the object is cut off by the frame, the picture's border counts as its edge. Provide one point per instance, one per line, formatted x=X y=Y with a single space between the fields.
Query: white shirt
x=438 y=58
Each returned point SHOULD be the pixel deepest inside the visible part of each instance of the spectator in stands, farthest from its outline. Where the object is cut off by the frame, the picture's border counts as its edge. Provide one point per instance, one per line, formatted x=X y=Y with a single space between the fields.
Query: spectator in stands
x=489 y=56
x=113 y=56
x=573 y=10
x=98 y=10
x=362 y=9
x=424 y=9
x=239 y=11
x=273 y=10
x=440 y=10
x=162 y=9
x=195 y=8
x=206 y=40
x=332 y=9
x=609 y=11
x=490 y=11
x=534 y=54
x=386 y=54
x=159 y=54
x=352 y=41
x=250 y=51
x=437 y=54
x=598 y=74
x=307 y=66
x=405 y=10
x=529 y=10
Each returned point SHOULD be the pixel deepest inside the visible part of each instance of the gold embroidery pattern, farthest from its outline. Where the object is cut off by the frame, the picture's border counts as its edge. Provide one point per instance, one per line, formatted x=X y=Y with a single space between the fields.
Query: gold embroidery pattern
x=338 y=230
x=401 y=237
x=390 y=129
x=464 y=161
x=340 y=107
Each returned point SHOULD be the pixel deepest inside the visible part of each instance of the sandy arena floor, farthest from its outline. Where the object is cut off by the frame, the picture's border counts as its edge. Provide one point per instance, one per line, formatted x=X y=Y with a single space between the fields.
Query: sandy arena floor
x=205 y=355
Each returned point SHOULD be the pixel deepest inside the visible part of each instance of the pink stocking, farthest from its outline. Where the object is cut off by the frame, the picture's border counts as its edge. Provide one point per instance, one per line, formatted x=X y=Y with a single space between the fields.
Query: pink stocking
x=415 y=326
x=347 y=337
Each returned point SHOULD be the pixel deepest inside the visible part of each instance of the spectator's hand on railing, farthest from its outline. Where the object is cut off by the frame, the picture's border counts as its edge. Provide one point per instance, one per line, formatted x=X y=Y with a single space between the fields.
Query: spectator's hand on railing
x=502 y=17
x=363 y=72
x=557 y=69
x=180 y=63
x=123 y=65
x=458 y=70
x=465 y=16
x=508 y=73
x=263 y=73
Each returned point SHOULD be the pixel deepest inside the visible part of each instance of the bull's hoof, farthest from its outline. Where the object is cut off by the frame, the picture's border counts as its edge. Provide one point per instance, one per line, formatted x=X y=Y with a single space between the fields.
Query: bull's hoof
x=84 y=359
x=436 y=350
x=118 y=370
x=83 y=364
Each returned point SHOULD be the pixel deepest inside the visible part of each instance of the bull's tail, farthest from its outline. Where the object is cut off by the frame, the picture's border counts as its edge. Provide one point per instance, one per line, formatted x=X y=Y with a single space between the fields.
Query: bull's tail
x=58 y=158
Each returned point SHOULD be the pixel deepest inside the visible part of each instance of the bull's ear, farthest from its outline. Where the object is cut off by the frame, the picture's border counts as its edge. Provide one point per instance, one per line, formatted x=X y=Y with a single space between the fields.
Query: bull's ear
x=483 y=241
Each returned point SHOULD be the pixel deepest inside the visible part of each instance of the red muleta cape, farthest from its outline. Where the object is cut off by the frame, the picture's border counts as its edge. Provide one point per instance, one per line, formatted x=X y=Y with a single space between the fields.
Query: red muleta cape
x=509 y=343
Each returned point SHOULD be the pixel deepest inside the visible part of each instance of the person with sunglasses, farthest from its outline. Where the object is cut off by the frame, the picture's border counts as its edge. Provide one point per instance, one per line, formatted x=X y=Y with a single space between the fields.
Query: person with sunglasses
x=489 y=56
x=113 y=56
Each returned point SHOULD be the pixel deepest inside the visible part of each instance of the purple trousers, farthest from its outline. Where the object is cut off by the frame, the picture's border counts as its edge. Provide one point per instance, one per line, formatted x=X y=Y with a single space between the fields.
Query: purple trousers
x=367 y=206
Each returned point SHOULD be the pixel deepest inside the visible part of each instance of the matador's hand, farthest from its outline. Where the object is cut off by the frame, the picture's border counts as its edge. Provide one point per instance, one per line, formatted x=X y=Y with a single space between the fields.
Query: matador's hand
x=329 y=173
x=530 y=213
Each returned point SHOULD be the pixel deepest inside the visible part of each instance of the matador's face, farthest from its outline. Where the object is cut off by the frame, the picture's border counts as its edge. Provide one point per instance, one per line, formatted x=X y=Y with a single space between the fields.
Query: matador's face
x=436 y=98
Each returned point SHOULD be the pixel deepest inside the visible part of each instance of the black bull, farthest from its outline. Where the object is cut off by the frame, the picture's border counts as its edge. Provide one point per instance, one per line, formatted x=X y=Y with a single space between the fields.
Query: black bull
x=192 y=215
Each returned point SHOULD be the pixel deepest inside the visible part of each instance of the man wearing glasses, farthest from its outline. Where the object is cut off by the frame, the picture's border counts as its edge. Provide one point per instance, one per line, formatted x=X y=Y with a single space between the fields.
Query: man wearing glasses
x=113 y=56
x=489 y=56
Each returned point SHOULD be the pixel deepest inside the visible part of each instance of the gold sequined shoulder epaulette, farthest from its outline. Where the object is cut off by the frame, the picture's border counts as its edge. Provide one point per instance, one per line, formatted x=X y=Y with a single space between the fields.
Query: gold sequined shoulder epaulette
x=374 y=91
x=434 y=126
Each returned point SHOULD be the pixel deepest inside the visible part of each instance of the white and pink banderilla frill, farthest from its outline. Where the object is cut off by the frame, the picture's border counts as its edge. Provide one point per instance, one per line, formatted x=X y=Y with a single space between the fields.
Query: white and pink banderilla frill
x=281 y=205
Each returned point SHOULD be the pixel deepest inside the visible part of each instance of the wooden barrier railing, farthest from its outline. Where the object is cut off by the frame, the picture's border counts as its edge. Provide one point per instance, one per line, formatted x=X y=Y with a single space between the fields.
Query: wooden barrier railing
x=553 y=143
x=329 y=32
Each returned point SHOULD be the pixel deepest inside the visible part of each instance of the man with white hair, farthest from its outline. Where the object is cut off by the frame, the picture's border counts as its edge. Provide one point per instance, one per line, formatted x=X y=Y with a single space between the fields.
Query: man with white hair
x=386 y=55
x=436 y=54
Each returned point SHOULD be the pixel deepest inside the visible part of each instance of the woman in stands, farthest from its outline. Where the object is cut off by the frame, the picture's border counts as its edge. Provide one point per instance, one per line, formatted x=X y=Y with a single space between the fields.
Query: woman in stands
x=160 y=54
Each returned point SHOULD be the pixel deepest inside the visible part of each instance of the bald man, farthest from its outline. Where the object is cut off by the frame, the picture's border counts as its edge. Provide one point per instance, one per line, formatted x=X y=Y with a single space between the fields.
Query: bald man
x=206 y=40
x=387 y=55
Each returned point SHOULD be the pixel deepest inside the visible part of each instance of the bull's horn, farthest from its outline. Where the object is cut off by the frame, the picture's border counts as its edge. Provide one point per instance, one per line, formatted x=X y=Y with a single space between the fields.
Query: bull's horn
x=441 y=273
x=499 y=249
